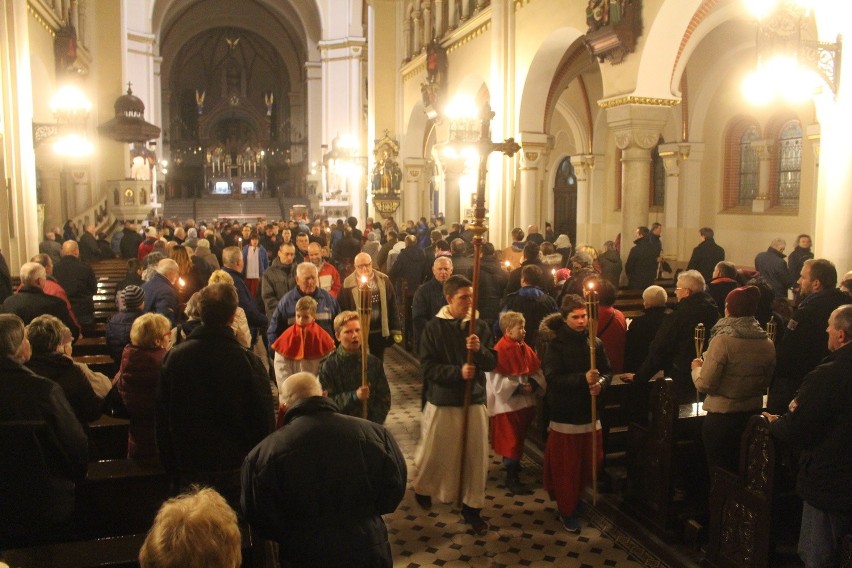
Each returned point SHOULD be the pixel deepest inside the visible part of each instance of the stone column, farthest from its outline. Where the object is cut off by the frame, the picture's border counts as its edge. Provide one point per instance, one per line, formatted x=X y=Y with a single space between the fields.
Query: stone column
x=427 y=24
x=313 y=115
x=534 y=148
x=439 y=18
x=637 y=130
x=671 y=155
x=764 y=148
x=689 y=203
x=416 y=183
x=583 y=165
x=406 y=38
x=452 y=192
x=465 y=10
x=452 y=21
x=19 y=229
x=418 y=34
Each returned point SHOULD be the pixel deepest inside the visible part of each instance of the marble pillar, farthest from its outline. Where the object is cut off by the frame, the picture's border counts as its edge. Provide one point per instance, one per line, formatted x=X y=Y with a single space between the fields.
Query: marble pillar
x=637 y=130
x=761 y=201
x=534 y=150
x=583 y=168
x=415 y=192
x=671 y=156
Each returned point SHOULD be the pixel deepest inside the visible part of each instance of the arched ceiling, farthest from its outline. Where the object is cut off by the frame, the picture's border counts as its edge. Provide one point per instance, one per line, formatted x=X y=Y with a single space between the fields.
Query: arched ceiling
x=293 y=27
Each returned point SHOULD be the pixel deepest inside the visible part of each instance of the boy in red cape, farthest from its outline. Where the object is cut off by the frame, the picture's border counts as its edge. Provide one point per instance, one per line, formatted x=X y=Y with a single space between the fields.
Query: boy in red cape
x=511 y=389
x=302 y=345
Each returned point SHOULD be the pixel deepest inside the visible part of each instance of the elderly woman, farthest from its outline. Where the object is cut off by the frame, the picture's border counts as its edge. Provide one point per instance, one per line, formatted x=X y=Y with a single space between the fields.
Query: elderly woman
x=182 y=331
x=192 y=275
x=51 y=358
x=240 y=323
x=137 y=380
x=734 y=373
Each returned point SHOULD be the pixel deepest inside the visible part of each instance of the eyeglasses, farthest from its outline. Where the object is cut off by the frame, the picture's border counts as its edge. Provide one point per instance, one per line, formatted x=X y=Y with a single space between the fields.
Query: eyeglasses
x=363 y=265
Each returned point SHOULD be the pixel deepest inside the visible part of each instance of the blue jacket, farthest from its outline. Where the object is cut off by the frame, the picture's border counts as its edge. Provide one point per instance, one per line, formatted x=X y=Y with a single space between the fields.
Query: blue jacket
x=161 y=297
x=262 y=256
x=118 y=332
x=256 y=318
x=285 y=313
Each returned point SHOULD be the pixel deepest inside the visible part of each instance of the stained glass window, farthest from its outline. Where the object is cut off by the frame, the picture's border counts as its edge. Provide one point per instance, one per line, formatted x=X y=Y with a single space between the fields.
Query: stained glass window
x=749 y=167
x=789 y=164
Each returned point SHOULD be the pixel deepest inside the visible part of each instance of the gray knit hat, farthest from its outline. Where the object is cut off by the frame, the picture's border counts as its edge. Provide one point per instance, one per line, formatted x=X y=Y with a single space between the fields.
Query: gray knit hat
x=133 y=296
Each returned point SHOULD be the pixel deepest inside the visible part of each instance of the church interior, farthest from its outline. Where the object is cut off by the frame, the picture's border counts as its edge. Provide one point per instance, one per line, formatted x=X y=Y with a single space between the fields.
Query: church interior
x=596 y=117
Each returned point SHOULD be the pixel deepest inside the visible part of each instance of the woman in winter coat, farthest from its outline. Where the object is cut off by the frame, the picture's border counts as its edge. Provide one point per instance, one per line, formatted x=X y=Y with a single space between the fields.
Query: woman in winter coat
x=734 y=373
x=137 y=380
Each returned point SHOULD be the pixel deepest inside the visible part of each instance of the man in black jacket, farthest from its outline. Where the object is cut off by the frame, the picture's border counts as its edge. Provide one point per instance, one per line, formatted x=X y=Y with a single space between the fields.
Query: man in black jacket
x=279 y=278
x=673 y=348
x=706 y=254
x=803 y=345
x=79 y=281
x=446 y=373
x=429 y=297
x=531 y=301
x=819 y=422
x=130 y=241
x=213 y=400
x=531 y=258
x=31 y=301
x=89 y=250
x=641 y=267
x=770 y=263
x=319 y=485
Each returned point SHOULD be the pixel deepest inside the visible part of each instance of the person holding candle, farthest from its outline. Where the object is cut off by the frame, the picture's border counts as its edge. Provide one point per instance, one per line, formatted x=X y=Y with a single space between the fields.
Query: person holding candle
x=571 y=382
x=341 y=377
x=384 y=323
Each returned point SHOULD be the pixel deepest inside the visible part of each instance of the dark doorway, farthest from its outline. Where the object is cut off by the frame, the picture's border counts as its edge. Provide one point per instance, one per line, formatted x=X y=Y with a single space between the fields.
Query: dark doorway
x=565 y=201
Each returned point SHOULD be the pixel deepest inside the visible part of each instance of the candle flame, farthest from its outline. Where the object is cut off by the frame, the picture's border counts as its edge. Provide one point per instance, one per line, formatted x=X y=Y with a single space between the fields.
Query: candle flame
x=181 y=282
x=591 y=285
x=553 y=272
x=363 y=280
x=507 y=263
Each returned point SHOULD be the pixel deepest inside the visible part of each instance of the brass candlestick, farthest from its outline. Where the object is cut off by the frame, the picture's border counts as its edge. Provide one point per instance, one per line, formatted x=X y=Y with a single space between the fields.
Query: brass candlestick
x=699 y=348
x=365 y=306
x=592 y=304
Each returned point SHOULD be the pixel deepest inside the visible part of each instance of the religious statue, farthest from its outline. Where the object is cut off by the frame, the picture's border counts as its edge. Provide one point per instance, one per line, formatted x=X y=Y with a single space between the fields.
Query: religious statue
x=387 y=175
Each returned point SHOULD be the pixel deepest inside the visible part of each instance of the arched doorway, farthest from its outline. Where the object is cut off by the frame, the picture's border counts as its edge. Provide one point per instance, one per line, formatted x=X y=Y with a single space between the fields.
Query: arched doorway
x=565 y=200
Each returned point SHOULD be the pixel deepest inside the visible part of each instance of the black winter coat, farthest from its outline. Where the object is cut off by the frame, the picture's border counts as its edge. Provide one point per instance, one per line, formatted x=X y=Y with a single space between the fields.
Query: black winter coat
x=340 y=376
x=39 y=472
x=411 y=267
x=641 y=267
x=565 y=361
x=77 y=388
x=639 y=336
x=442 y=354
x=705 y=257
x=534 y=304
x=796 y=260
x=118 y=332
x=31 y=302
x=770 y=263
x=130 y=242
x=213 y=403
x=803 y=346
x=319 y=485
x=492 y=285
x=821 y=425
x=428 y=301
x=89 y=249
x=80 y=283
x=673 y=348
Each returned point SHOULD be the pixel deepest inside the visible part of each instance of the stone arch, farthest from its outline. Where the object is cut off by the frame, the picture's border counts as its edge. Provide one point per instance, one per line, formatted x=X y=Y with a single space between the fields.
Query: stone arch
x=540 y=76
x=654 y=75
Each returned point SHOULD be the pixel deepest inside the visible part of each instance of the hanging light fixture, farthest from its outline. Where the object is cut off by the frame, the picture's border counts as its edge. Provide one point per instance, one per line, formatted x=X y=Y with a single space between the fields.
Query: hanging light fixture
x=790 y=65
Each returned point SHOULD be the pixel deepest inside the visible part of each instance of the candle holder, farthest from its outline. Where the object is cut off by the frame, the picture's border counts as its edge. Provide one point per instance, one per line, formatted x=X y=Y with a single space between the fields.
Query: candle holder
x=699 y=348
x=365 y=306
x=592 y=304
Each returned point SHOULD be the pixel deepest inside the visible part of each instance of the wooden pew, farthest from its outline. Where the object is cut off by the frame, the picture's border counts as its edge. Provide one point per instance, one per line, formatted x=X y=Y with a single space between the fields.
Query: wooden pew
x=100 y=363
x=114 y=552
x=741 y=506
x=108 y=437
x=667 y=448
x=119 y=497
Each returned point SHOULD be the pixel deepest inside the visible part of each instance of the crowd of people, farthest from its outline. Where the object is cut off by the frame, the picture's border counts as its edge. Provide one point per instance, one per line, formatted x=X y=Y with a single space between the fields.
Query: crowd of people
x=215 y=318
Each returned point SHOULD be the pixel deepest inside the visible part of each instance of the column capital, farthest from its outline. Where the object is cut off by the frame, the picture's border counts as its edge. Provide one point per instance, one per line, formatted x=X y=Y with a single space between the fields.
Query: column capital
x=637 y=126
x=534 y=148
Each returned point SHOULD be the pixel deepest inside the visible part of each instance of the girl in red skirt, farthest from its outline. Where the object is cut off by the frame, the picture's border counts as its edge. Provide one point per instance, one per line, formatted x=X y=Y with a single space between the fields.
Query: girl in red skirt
x=511 y=390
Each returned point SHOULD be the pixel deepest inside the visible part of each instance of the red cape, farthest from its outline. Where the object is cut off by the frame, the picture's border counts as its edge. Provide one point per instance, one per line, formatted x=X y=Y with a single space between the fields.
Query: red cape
x=515 y=358
x=309 y=342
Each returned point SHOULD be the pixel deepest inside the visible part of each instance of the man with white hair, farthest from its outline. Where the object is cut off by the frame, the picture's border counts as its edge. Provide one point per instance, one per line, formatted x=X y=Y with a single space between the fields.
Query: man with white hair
x=50 y=247
x=202 y=252
x=307 y=284
x=161 y=296
x=770 y=263
x=320 y=484
x=31 y=300
x=79 y=281
x=673 y=347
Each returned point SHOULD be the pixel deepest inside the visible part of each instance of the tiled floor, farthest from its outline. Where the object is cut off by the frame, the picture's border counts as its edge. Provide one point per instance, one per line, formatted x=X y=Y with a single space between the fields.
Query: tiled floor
x=525 y=530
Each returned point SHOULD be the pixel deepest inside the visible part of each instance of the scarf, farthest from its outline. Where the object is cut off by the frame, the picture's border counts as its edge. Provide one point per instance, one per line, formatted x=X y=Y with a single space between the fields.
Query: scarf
x=446 y=314
x=309 y=342
x=515 y=358
x=743 y=327
x=353 y=281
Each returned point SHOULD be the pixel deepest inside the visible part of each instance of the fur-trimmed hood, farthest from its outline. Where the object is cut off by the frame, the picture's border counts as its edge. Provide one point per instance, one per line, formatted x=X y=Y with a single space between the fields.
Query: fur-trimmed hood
x=550 y=326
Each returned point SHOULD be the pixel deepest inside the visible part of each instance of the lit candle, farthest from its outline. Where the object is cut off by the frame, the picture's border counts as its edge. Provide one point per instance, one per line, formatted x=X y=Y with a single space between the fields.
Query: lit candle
x=507 y=264
x=181 y=282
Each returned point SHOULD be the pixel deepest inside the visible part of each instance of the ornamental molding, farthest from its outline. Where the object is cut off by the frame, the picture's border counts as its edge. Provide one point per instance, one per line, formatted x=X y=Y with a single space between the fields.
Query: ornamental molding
x=631 y=100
